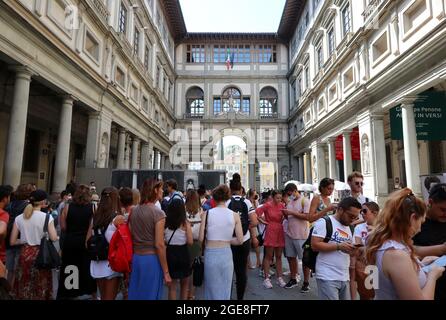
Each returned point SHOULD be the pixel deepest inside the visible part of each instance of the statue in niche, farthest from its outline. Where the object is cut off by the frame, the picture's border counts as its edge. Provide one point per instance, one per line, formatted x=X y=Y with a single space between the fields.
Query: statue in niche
x=314 y=169
x=365 y=154
x=103 y=151
x=284 y=174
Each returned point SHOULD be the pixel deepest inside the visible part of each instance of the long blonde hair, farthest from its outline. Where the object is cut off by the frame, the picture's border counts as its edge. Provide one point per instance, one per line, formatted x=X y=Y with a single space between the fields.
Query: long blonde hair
x=394 y=222
x=29 y=209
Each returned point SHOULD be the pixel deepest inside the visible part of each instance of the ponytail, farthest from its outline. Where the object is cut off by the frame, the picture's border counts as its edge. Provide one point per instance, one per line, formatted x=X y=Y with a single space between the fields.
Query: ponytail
x=28 y=212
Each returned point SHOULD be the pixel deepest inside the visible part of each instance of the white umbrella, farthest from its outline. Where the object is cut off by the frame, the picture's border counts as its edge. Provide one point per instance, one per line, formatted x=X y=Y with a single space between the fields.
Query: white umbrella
x=339 y=185
x=306 y=187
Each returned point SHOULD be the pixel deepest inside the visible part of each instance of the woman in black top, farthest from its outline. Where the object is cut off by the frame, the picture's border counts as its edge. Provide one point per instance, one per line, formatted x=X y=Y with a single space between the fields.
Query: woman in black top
x=74 y=221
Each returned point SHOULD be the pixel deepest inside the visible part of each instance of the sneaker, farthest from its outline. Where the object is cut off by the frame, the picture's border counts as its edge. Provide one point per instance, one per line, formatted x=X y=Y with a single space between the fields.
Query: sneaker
x=281 y=282
x=267 y=283
x=261 y=274
x=271 y=272
x=286 y=273
x=291 y=284
x=305 y=288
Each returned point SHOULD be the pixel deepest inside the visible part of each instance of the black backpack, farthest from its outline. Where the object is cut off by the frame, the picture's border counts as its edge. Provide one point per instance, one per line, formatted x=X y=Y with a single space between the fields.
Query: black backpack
x=97 y=245
x=165 y=203
x=309 y=256
x=14 y=209
x=238 y=205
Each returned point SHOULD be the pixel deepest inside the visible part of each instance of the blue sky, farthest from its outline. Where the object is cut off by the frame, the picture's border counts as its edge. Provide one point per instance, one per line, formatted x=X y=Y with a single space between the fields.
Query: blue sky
x=232 y=15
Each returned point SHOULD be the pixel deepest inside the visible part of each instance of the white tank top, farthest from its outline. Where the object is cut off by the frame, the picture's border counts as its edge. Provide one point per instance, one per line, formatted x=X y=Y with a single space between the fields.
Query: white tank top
x=220 y=224
x=178 y=239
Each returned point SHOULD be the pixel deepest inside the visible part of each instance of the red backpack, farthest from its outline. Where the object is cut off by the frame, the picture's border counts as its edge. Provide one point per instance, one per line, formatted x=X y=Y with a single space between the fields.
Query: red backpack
x=121 y=250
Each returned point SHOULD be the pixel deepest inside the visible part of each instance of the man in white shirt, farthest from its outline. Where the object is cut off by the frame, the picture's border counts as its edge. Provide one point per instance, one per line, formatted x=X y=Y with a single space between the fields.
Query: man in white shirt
x=333 y=260
x=356 y=183
x=296 y=234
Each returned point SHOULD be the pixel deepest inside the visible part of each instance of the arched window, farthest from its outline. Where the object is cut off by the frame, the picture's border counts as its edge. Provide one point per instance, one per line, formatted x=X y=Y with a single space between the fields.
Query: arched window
x=231 y=97
x=268 y=103
x=195 y=102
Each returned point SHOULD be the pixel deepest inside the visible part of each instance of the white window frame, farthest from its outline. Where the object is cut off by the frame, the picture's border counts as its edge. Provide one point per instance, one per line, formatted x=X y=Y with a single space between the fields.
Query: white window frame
x=386 y=53
x=428 y=16
x=122 y=86
x=348 y=87
x=96 y=61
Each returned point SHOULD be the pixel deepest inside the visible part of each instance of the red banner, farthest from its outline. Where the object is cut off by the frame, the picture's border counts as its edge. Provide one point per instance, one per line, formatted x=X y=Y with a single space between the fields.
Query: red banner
x=354 y=142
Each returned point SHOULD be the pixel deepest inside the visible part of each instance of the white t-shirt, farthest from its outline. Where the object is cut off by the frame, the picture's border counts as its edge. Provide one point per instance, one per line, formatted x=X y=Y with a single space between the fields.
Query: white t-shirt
x=195 y=220
x=251 y=210
x=158 y=204
x=333 y=265
x=31 y=230
x=179 y=238
x=361 y=231
x=101 y=269
x=220 y=224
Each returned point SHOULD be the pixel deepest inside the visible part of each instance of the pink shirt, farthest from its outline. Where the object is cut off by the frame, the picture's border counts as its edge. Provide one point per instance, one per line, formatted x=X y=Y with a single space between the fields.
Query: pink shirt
x=298 y=229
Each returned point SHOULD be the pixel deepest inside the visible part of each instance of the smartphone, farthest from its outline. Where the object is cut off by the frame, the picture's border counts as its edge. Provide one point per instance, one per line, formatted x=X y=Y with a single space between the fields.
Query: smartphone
x=441 y=262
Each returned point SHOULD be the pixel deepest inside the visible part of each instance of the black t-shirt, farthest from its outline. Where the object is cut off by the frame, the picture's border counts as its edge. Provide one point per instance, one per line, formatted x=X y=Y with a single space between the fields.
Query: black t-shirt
x=433 y=233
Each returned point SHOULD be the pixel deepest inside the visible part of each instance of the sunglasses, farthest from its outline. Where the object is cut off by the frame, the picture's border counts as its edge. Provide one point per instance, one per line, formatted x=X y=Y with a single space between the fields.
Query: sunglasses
x=359 y=183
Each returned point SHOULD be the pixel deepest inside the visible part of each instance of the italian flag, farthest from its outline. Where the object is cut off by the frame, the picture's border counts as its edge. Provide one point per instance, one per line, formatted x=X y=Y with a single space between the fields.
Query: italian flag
x=229 y=60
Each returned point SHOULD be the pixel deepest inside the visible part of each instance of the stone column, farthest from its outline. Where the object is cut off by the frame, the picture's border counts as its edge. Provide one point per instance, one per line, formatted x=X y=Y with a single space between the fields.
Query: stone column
x=121 y=149
x=320 y=163
x=378 y=156
x=308 y=175
x=410 y=146
x=301 y=169
x=135 y=153
x=332 y=158
x=155 y=159
x=162 y=161
x=348 y=165
x=252 y=175
x=145 y=156
x=93 y=140
x=63 y=145
x=17 y=128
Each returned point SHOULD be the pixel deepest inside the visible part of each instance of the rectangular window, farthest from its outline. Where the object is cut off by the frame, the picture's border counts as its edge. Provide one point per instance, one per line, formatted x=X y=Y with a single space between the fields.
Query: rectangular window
x=346 y=20
x=246 y=105
x=122 y=27
x=145 y=104
x=415 y=15
x=217 y=105
x=299 y=88
x=195 y=54
x=380 y=47
x=220 y=53
x=91 y=46
x=320 y=57
x=134 y=93
x=267 y=54
x=349 y=78
x=120 y=77
x=307 y=77
x=158 y=73
x=136 y=42
x=331 y=41
x=157 y=117
x=147 y=58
